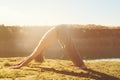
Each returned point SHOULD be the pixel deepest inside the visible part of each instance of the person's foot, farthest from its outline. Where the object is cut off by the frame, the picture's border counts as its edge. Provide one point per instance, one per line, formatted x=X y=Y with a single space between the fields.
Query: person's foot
x=83 y=67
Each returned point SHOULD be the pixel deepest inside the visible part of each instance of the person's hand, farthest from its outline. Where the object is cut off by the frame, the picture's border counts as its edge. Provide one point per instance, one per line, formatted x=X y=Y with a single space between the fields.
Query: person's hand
x=16 y=67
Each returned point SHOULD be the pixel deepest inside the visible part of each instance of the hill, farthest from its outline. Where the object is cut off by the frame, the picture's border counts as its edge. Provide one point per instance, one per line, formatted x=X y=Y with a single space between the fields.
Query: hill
x=89 y=40
x=58 y=70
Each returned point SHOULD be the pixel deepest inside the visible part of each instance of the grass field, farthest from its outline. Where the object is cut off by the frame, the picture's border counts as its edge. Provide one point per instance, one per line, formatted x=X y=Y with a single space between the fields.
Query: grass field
x=58 y=70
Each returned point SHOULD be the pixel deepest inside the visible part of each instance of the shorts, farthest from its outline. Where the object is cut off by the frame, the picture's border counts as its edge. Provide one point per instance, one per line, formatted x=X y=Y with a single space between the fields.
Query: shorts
x=64 y=35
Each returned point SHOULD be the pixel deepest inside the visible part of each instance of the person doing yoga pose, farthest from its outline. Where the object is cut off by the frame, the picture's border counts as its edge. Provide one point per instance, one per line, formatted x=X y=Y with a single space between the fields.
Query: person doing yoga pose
x=61 y=34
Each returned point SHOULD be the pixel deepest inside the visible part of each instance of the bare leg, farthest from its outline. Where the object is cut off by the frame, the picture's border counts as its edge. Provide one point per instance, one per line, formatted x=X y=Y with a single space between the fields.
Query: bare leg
x=68 y=46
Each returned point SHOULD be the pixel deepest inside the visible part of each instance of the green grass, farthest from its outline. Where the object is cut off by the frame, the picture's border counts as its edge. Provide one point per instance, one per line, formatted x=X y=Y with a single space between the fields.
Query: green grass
x=58 y=70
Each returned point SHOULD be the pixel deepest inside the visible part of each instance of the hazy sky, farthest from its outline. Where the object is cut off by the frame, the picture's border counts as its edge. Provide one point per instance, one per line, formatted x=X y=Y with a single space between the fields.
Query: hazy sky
x=53 y=12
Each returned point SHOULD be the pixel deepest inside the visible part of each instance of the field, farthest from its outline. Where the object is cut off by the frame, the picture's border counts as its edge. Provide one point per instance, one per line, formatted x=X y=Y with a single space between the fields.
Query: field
x=58 y=70
x=91 y=41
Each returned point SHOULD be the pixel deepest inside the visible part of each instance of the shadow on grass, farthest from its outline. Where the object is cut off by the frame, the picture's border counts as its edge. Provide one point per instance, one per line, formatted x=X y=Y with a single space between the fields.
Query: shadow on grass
x=90 y=74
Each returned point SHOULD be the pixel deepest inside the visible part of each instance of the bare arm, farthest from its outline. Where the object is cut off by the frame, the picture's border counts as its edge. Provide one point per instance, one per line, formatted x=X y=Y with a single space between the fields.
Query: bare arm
x=48 y=39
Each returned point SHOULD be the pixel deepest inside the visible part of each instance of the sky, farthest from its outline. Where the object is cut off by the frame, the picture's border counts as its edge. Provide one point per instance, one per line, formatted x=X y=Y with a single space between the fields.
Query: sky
x=55 y=12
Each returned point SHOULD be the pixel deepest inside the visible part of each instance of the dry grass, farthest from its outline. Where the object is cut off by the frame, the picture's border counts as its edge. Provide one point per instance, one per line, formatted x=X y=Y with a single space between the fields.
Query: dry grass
x=58 y=70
